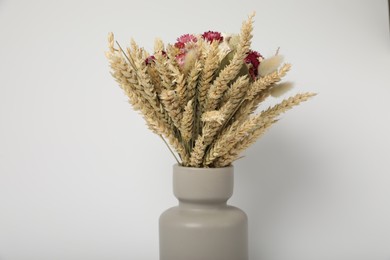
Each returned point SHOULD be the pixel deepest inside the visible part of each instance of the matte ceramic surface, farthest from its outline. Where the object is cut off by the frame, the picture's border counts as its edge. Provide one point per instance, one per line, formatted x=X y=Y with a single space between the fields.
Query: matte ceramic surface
x=203 y=226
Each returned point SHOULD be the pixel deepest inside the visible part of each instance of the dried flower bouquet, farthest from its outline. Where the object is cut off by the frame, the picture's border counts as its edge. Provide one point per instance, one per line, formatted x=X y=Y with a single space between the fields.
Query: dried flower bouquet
x=201 y=93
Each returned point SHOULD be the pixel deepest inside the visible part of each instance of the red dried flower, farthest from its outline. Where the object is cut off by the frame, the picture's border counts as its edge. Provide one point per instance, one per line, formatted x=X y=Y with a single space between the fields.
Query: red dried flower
x=149 y=59
x=252 y=59
x=211 y=36
x=179 y=45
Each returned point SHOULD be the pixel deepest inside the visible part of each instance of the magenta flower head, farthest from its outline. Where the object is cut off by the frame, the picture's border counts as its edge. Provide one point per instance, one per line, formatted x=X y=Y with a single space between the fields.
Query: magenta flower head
x=253 y=60
x=149 y=59
x=180 y=58
x=211 y=36
x=185 y=38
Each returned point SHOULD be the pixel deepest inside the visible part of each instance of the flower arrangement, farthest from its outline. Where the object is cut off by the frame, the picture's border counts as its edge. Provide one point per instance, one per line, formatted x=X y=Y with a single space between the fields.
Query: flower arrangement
x=202 y=92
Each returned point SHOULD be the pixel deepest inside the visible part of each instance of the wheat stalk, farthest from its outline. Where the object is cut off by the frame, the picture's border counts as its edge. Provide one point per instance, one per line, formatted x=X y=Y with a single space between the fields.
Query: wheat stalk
x=247 y=141
x=210 y=67
x=124 y=73
x=220 y=84
x=187 y=121
x=234 y=140
x=200 y=94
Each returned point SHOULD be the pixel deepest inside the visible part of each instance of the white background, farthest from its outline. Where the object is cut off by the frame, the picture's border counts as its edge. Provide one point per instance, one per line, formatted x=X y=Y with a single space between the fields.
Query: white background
x=81 y=177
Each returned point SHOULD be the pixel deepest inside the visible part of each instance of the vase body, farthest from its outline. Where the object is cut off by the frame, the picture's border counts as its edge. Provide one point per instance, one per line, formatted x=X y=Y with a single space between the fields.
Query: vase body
x=203 y=226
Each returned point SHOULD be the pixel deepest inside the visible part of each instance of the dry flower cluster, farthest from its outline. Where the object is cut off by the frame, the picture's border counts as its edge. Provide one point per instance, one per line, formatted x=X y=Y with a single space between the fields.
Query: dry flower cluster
x=201 y=93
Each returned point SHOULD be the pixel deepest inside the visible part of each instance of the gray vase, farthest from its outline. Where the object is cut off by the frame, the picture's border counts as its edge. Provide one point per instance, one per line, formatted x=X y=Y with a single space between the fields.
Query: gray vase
x=203 y=226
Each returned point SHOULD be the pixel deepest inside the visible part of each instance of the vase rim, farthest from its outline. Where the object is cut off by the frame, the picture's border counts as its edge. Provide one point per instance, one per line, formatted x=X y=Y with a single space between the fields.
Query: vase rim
x=202 y=168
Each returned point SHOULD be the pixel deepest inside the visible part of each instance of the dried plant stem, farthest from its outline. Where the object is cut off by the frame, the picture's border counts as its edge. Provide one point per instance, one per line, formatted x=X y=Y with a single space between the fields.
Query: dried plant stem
x=169 y=148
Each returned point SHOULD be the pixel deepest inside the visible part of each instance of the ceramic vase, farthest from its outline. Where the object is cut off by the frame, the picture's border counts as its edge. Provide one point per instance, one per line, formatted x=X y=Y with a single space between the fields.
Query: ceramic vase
x=202 y=226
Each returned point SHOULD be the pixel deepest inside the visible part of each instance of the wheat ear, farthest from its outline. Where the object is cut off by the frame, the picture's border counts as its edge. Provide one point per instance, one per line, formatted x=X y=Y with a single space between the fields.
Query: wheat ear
x=247 y=141
x=125 y=75
x=187 y=121
x=258 y=92
x=227 y=74
x=210 y=67
x=248 y=132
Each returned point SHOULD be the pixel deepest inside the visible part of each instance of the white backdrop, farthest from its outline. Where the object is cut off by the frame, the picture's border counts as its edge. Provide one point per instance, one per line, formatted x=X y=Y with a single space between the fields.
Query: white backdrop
x=81 y=177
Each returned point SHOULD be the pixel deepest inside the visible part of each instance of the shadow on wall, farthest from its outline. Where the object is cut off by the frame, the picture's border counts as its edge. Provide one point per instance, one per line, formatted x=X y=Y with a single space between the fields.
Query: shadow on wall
x=276 y=171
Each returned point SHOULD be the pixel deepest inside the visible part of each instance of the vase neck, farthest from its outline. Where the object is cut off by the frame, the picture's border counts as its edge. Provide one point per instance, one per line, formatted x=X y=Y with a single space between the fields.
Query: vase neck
x=205 y=187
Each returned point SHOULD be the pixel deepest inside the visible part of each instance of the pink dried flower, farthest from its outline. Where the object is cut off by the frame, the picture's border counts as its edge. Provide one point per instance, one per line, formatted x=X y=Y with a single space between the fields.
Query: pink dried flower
x=180 y=58
x=252 y=59
x=211 y=36
x=185 y=38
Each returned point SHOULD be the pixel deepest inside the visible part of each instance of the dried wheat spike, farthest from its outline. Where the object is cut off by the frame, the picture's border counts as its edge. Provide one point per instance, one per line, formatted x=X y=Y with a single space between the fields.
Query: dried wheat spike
x=158 y=46
x=192 y=80
x=160 y=63
x=197 y=154
x=266 y=81
x=211 y=65
x=286 y=104
x=227 y=74
x=212 y=122
x=229 y=139
x=125 y=75
x=258 y=92
x=169 y=99
x=247 y=141
x=155 y=78
x=187 y=121
x=247 y=133
x=236 y=93
x=180 y=86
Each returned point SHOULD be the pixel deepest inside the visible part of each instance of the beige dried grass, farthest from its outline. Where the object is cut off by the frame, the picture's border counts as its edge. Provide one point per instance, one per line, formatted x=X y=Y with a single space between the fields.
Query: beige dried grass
x=247 y=141
x=127 y=77
x=187 y=121
x=203 y=107
x=210 y=67
x=228 y=73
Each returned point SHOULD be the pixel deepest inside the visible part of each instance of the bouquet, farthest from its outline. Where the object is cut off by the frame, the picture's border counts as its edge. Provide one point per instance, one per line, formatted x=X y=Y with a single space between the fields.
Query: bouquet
x=201 y=94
